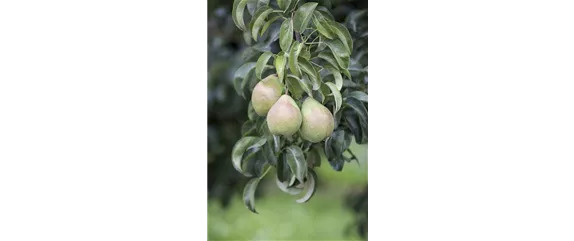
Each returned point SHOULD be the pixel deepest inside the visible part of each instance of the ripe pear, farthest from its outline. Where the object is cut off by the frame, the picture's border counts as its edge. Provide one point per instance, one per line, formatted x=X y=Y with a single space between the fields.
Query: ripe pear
x=265 y=94
x=318 y=122
x=284 y=117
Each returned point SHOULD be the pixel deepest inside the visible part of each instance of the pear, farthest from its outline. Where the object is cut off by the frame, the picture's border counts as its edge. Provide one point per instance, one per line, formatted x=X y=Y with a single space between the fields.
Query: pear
x=265 y=94
x=284 y=117
x=318 y=122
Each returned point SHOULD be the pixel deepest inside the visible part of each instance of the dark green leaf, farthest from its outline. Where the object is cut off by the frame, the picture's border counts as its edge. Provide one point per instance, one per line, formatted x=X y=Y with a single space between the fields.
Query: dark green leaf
x=313 y=157
x=304 y=83
x=286 y=35
x=311 y=72
x=261 y=3
x=358 y=107
x=239 y=149
x=296 y=161
x=303 y=16
x=261 y=63
x=272 y=18
x=310 y=186
x=258 y=20
x=248 y=128
x=251 y=112
x=353 y=125
x=294 y=87
x=240 y=77
x=328 y=56
x=284 y=186
x=319 y=96
x=284 y=172
x=269 y=154
x=337 y=76
x=338 y=48
x=325 y=12
x=341 y=31
x=321 y=25
x=337 y=163
x=237 y=13
x=249 y=193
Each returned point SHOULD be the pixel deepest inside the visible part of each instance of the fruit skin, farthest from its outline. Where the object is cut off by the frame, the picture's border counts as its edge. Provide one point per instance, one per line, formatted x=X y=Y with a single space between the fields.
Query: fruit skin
x=265 y=94
x=318 y=122
x=284 y=117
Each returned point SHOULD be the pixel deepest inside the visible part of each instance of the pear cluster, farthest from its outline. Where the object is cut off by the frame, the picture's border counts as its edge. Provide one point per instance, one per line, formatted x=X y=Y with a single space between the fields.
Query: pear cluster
x=313 y=121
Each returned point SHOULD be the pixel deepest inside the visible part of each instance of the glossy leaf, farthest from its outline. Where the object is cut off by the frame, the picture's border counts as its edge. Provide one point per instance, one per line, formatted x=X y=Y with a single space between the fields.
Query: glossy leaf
x=296 y=161
x=319 y=96
x=239 y=149
x=337 y=47
x=358 y=107
x=358 y=95
x=259 y=20
x=240 y=77
x=284 y=172
x=313 y=157
x=261 y=3
x=343 y=34
x=303 y=82
x=286 y=35
x=249 y=194
x=269 y=154
x=294 y=58
x=337 y=163
x=271 y=20
x=248 y=128
x=284 y=4
x=337 y=76
x=261 y=63
x=303 y=16
x=325 y=12
x=280 y=63
x=322 y=26
x=328 y=56
x=237 y=13
x=294 y=87
x=311 y=72
x=284 y=186
x=310 y=185
x=336 y=96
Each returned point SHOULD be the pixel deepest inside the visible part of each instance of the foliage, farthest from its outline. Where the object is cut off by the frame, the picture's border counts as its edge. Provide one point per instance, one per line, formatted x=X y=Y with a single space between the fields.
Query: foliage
x=315 y=55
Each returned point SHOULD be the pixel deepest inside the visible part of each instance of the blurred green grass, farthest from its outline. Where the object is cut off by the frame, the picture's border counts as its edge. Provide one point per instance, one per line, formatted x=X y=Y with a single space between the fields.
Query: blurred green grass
x=324 y=217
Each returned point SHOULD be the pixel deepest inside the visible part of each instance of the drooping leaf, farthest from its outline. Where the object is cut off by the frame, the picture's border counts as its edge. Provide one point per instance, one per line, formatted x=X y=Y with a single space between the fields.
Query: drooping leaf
x=310 y=186
x=239 y=149
x=286 y=35
x=294 y=58
x=259 y=20
x=338 y=48
x=311 y=72
x=269 y=154
x=284 y=186
x=353 y=125
x=251 y=112
x=358 y=107
x=321 y=25
x=337 y=163
x=296 y=161
x=240 y=77
x=319 y=96
x=358 y=95
x=303 y=16
x=284 y=172
x=277 y=143
x=261 y=3
x=337 y=76
x=343 y=34
x=261 y=63
x=248 y=128
x=304 y=83
x=313 y=157
x=280 y=63
x=284 y=4
x=329 y=58
x=249 y=193
x=294 y=87
x=272 y=17
x=305 y=53
x=325 y=12
x=336 y=96
x=237 y=13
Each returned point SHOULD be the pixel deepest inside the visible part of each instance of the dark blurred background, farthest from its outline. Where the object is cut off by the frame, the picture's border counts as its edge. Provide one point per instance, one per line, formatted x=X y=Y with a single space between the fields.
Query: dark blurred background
x=338 y=211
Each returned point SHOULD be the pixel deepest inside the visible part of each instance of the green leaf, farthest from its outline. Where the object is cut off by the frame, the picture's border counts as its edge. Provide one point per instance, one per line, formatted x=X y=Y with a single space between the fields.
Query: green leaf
x=296 y=161
x=308 y=68
x=276 y=143
x=343 y=33
x=310 y=186
x=319 y=96
x=293 y=58
x=294 y=87
x=240 y=77
x=359 y=95
x=249 y=193
x=305 y=52
x=314 y=157
x=280 y=62
x=337 y=47
x=325 y=12
x=258 y=20
x=284 y=4
x=303 y=82
x=328 y=56
x=261 y=3
x=239 y=149
x=336 y=95
x=286 y=35
x=358 y=107
x=337 y=76
x=284 y=186
x=303 y=16
x=251 y=112
x=321 y=25
x=248 y=128
x=269 y=22
x=261 y=62
x=237 y=13
x=284 y=173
